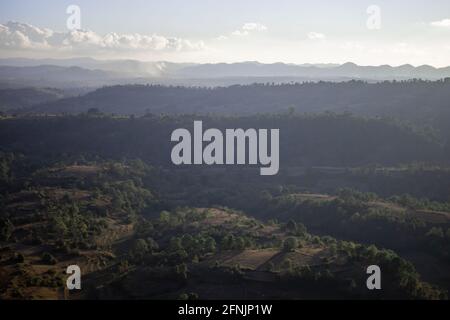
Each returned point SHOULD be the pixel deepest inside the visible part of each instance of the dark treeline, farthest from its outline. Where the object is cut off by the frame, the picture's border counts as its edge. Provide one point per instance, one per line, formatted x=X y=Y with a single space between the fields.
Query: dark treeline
x=323 y=140
x=421 y=102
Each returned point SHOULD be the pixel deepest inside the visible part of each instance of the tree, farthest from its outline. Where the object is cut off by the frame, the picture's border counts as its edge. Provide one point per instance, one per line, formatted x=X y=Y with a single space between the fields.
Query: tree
x=290 y=244
x=183 y=296
x=239 y=244
x=301 y=230
x=179 y=255
x=47 y=258
x=123 y=266
x=140 y=248
x=371 y=252
x=435 y=232
x=182 y=270
x=227 y=242
x=6 y=229
x=187 y=242
x=152 y=244
x=59 y=227
x=333 y=249
x=291 y=226
x=210 y=245
x=175 y=244
x=164 y=217
x=193 y=296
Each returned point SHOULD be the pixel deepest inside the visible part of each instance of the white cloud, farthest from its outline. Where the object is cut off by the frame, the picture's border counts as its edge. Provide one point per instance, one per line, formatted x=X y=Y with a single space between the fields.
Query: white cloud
x=444 y=23
x=316 y=36
x=22 y=36
x=248 y=28
x=254 y=26
x=222 y=38
x=240 y=33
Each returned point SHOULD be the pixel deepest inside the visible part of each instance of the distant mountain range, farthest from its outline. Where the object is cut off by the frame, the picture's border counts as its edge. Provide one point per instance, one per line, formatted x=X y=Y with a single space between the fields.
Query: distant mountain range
x=124 y=68
x=91 y=72
x=347 y=70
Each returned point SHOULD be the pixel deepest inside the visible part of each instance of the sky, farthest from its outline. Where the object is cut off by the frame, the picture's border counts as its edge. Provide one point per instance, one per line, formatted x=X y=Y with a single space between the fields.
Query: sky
x=373 y=32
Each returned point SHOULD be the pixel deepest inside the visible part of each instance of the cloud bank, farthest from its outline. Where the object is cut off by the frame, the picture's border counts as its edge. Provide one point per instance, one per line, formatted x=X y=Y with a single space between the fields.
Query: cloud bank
x=21 y=36
x=444 y=23
x=316 y=36
x=248 y=28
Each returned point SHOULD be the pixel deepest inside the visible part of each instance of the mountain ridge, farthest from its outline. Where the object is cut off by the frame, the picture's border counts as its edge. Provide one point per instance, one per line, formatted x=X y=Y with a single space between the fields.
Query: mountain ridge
x=164 y=69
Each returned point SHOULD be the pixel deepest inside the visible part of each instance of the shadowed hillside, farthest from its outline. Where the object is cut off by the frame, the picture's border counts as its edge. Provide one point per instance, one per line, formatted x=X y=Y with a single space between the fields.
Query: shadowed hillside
x=421 y=102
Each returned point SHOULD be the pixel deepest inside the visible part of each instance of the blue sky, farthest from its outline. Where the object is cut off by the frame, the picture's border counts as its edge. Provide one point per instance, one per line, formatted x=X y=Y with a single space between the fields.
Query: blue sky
x=415 y=31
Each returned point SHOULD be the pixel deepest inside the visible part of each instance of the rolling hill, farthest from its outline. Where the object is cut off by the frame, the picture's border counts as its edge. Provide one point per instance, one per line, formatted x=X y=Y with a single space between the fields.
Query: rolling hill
x=421 y=102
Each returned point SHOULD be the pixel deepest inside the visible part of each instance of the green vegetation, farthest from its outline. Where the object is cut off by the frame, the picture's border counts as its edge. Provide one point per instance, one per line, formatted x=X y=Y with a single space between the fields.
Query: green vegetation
x=98 y=191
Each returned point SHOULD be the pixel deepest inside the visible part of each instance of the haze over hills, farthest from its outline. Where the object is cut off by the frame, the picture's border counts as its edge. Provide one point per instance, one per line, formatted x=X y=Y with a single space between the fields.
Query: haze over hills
x=134 y=87
x=16 y=99
x=347 y=70
x=53 y=76
x=134 y=68
x=91 y=72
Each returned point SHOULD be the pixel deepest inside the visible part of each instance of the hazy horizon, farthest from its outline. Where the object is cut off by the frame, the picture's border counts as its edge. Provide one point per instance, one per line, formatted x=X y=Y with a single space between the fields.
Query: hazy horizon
x=305 y=63
x=297 y=32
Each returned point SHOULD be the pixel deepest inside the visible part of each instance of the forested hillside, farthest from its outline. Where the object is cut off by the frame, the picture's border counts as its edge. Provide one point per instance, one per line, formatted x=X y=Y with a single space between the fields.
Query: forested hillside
x=323 y=140
x=421 y=102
